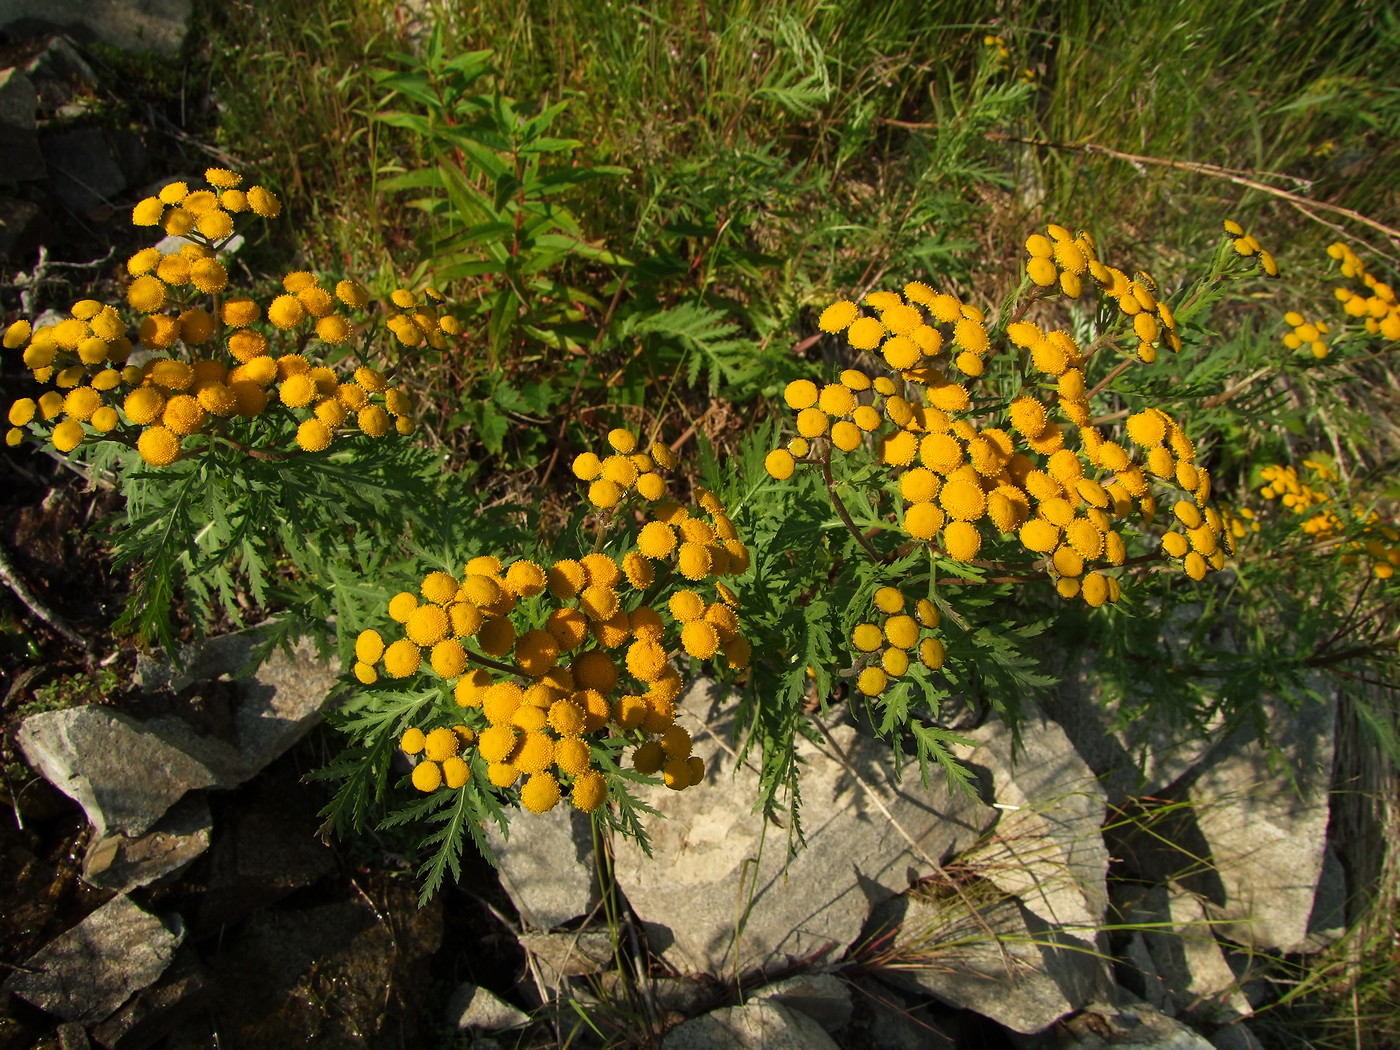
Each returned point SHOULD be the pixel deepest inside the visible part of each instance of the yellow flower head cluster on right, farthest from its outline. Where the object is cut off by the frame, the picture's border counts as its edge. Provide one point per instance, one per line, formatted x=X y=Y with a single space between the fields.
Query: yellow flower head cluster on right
x=214 y=360
x=1373 y=304
x=1036 y=471
x=1334 y=525
x=547 y=664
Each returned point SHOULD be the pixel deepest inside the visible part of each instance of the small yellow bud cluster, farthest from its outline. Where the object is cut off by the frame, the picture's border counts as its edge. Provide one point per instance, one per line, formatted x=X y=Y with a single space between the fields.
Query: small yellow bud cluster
x=1247 y=246
x=1376 y=307
x=1357 y=532
x=594 y=664
x=894 y=638
x=1056 y=257
x=420 y=321
x=997 y=46
x=1239 y=522
x=215 y=357
x=1305 y=333
x=624 y=470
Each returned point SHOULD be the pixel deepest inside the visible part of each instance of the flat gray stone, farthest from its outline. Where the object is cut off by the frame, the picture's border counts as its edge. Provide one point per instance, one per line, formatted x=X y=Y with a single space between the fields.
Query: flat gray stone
x=823 y=997
x=1003 y=962
x=547 y=865
x=83 y=168
x=118 y=862
x=1235 y=1037
x=154 y=1012
x=1196 y=977
x=84 y=975
x=1133 y=757
x=1048 y=846
x=21 y=159
x=157 y=26
x=1266 y=828
x=574 y=953
x=123 y=774
x=755 y=1026
x=1101 y=1026
x=721 y=895
x=275 y=705
x=471 y=1006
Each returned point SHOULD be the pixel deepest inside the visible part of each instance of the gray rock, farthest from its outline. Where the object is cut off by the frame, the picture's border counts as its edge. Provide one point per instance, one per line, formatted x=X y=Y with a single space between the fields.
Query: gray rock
x=1328 y=920
x=1101 y=1026
x=1198 y=981
x=576 y=953
x=1142 y=976
x=547 y=865
x=1265 y=827
x=22 y=227
x=765 y=1025
x=885 y=1019
x=117 y=862
x=154 y=1012
x=1048 y=846
x=823 y=997
x=274 y=708
x=83 y=168
x=349 y=973
x=157 y=26
x=1132 y=757
x=21 y=159
x=124 y=775
x=59 y=70
x=471 y=1006
x=87 y=973
x=266 y=850
x=1003 y=962
x=721 y=886
x=1235 y=1037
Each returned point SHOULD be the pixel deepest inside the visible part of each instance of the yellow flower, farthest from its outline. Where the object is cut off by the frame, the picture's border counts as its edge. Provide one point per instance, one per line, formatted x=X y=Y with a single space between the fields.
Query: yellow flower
x=779 y=464
x=184 y=414
x=286 y=311
x=865 y=333
x=622 y=441
x=402 y=658
x=427 y=776
x=373 y=421
x=208 y=275
x=263 y=202
x=838 y=316
x=590 y=791
x=931 y=653
x=158 y=446
x=693 y=561
x=455 y=772
x=148 y=212
x=67 y=435
x=699 y=639
x=147 y=293
x=901 y=631
x=352 y=294
x=923 y=520
x=961 y=540
x=872 y=681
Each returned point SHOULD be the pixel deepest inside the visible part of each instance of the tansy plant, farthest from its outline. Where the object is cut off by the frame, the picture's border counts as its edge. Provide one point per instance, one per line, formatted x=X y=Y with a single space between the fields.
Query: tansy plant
x=239 y=429
x=975 y=469
x=516 y=684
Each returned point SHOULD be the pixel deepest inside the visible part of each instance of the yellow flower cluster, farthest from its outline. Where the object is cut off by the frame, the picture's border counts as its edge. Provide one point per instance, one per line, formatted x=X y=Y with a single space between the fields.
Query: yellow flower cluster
x=1058 y=258
x=624 y=470
x=596 y=663
x=1042 y=473
x=1377 y=307
x=211 y=357
x=1247 y=246
x=1329 y=518
x=898 y=634
x=1305 y=333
